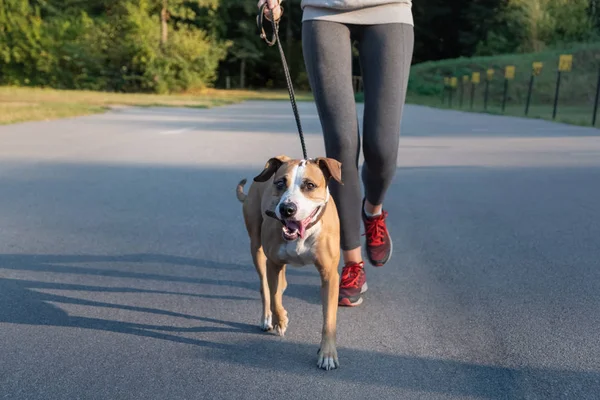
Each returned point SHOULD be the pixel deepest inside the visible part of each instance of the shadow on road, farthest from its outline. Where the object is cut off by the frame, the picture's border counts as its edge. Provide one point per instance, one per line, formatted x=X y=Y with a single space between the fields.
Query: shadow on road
x=56 y=264
x=172 y=208
x=20 y=303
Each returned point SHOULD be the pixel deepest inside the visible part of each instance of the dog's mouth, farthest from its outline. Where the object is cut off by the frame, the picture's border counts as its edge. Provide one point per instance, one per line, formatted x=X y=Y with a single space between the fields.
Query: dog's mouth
x=293 y=229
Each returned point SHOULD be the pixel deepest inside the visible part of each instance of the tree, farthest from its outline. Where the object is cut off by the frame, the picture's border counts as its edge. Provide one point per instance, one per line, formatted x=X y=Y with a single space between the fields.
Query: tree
x=181 y=10
x=164 y=27
x=20 y=37
x=238 y=26
x=549 y=22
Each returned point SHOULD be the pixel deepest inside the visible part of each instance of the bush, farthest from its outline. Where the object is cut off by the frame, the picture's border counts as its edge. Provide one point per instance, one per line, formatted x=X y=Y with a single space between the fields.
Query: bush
x=117 y=52
x=20 y=31
x=190 y=61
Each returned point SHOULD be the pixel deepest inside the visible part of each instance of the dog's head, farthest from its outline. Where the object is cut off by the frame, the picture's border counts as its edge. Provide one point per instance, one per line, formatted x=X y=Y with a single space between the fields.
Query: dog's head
x=300 y=190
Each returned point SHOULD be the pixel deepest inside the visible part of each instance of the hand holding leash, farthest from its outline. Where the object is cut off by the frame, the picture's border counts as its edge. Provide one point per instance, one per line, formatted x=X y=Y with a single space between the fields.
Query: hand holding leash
x=272 y=6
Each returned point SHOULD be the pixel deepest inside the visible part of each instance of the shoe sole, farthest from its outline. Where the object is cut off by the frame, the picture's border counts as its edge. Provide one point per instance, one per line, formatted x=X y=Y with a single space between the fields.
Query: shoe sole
x=347 y=302
x=381 y=263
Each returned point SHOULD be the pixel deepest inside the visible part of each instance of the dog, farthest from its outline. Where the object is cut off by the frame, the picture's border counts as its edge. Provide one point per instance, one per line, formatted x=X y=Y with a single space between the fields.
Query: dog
x=292 y=219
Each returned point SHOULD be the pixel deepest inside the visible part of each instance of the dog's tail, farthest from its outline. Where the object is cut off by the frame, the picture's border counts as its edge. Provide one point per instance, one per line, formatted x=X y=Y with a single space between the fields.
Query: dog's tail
x=239 y=191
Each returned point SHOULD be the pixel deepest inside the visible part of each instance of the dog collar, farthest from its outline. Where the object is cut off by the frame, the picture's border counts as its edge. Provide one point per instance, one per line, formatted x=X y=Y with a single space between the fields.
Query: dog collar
x=321 y=211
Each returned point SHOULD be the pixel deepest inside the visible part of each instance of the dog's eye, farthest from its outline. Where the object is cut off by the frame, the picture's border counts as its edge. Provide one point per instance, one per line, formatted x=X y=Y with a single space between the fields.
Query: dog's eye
x=280 y=184
x=310 y=186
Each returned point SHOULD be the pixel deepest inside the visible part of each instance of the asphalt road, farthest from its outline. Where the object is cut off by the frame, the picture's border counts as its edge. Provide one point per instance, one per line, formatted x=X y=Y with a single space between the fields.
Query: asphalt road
x=125 y=271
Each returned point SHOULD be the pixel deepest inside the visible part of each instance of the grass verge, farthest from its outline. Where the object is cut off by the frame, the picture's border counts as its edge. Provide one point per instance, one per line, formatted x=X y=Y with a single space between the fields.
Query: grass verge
x=566 y=113
x=19 y=104
x=577 y=90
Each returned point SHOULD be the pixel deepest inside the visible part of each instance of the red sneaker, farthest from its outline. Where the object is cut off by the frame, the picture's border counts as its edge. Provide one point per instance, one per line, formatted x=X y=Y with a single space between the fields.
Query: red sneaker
x=353 y=284
x=379 y=243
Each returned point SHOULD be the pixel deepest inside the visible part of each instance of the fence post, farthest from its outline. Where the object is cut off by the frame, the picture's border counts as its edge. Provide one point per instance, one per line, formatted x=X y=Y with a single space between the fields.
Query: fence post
x=596 y=100
x=536 y=69
x=444 y=90
x=490 y=76
x=509 y=73
x=453 y=85
x=465 y=80
x=529 y=94
x=475 y=79
x=556 y=94
x=565 y=63
x=486 y=94
x=504 y=95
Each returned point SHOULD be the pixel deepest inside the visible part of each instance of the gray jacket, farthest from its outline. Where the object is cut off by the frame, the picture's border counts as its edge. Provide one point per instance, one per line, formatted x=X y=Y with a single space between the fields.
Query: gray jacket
x=350 y=4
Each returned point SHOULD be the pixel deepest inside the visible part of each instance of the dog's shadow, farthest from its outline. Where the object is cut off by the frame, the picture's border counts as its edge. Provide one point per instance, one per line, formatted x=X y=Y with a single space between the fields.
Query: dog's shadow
x=67 y=264
x=27 y=302
x=21 y=303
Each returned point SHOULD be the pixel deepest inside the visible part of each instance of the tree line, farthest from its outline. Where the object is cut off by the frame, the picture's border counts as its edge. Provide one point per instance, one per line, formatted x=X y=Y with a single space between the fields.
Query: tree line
x=181 y=45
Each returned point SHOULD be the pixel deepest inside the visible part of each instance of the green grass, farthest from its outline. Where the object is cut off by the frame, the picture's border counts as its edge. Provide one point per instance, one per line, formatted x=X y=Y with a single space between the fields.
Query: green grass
x=570 y=114
x=18 y=104
x=577 y=90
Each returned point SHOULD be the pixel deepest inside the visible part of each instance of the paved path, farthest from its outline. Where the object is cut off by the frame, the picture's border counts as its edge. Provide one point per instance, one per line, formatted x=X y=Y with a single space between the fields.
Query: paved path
x=125 y=271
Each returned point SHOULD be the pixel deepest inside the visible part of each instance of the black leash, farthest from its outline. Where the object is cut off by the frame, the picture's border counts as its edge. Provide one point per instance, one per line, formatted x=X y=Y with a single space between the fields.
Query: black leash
x=288 y=79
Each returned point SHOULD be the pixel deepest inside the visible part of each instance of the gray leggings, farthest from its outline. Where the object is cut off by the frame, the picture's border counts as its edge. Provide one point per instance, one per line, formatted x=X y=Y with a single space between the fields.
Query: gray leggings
x=385 y=58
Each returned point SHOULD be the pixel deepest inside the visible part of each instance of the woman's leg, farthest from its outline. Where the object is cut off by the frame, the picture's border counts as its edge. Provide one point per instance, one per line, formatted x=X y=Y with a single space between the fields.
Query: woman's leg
x=385 y=53
x=328 y=58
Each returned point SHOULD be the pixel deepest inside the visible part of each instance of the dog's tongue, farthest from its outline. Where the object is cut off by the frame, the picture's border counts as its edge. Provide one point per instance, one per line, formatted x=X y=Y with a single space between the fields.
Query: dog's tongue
x=296 y=225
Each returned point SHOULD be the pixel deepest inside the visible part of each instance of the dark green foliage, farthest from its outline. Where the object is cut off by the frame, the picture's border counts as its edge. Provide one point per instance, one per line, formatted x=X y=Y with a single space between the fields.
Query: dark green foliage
x=21 y=52
x=104 y=45
x=119 y=45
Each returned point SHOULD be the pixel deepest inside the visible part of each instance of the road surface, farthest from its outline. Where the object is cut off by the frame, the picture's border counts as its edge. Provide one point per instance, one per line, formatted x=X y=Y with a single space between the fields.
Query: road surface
x=125 y=270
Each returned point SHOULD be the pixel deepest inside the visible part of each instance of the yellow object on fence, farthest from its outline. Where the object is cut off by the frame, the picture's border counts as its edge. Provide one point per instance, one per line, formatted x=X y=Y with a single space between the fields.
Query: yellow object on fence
x=565 y=63
x=509 y=72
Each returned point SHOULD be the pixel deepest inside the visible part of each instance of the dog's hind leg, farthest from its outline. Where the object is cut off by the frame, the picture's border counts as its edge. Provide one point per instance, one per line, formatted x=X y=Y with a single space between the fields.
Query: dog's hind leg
x=260 y=262
x=277 y=283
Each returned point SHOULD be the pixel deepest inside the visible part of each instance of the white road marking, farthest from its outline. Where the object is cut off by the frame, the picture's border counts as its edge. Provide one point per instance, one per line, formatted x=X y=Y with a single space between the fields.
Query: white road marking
x=177 y=131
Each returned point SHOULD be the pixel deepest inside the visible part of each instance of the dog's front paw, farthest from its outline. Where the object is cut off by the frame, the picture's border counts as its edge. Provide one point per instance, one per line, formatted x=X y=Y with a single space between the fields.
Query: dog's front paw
x=328 y=358
x=280 y=324
x=266 y=323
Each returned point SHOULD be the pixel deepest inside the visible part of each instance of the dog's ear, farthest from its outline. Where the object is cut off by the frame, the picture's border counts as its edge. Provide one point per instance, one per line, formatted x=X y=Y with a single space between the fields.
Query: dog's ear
x=331 y=168
x=271 y=167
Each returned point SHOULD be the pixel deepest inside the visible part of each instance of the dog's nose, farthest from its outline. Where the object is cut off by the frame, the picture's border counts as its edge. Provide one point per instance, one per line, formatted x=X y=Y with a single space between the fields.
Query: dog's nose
x=288 y=210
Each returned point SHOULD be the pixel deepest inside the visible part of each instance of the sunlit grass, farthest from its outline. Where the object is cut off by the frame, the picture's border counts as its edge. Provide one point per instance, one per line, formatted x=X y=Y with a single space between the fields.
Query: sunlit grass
x=34 y=104
x=566 y=113
x=19 y=104
x=12 y=112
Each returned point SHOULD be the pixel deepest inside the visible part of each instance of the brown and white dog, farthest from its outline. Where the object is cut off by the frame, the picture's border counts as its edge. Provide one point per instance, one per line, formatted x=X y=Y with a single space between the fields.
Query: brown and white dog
x=292 y=219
